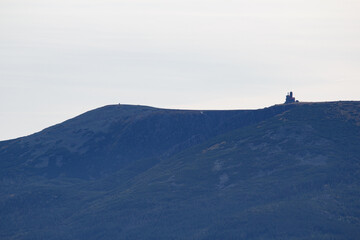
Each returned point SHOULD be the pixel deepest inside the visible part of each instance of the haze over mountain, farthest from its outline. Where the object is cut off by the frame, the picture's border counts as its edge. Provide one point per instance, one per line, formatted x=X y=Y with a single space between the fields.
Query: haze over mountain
x=289 y=171
x=61 y=58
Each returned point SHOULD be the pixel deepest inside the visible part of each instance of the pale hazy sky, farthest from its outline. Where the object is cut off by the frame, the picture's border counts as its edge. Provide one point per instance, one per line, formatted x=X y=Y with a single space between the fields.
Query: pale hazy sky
x=59 y=58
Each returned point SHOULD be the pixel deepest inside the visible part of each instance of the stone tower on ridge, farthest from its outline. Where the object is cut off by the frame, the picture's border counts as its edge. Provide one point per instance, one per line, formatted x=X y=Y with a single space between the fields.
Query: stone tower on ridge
x=290 y=98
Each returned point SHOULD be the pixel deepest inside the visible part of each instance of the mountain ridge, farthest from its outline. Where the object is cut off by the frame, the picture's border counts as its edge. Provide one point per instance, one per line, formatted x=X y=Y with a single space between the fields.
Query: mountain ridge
x=128 y=132
x=287 y=172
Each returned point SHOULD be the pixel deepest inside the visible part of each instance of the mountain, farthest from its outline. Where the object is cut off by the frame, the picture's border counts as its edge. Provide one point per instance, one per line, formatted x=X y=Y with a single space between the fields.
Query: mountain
x=133 y=172
x=107 y=139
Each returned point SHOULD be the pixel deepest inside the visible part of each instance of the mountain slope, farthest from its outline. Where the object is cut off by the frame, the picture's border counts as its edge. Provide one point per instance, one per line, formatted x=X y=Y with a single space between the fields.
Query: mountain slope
x=105 y=140
x=294 y=175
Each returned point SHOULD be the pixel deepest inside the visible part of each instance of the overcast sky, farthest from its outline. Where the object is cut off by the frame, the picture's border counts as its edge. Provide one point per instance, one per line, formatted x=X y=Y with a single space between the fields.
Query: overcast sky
x=59 y=58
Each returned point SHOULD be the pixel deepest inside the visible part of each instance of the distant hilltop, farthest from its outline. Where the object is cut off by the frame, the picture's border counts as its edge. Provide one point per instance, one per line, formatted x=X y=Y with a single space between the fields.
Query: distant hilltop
x=289 y=171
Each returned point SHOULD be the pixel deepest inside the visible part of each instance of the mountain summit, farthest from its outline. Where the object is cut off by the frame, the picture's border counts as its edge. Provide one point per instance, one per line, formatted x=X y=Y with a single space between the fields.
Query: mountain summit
x=107 y=139
x=289 y=171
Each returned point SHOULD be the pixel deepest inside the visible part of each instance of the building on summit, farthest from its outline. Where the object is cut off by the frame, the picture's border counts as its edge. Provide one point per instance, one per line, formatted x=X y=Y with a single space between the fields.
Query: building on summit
x=290 y=98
